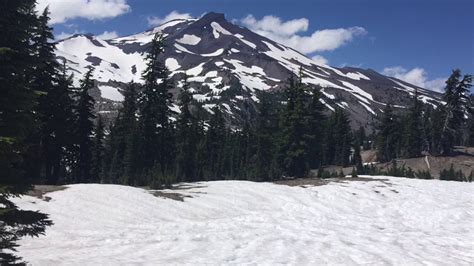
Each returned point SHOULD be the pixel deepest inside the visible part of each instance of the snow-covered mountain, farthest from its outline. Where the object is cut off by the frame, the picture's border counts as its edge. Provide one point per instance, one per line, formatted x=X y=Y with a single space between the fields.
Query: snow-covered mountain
x=226 y=65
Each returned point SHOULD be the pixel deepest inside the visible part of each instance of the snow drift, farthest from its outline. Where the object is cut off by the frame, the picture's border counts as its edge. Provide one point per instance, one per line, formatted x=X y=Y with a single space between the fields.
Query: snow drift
x=382 y=221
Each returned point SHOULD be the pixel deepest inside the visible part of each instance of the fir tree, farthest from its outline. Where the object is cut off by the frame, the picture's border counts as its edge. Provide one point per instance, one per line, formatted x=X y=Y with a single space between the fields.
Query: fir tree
x=186 y=138
x=97 y=151
x=214 y=145
x=120 y=162
x=412 y=143
x=455 y=110
x=84 y=111
x=342 y=137
x=57 y=128
x=264 y=139
x=17 y=22
x=315 y=134
x=155 y=129
x=43 y=80
x=357 y=158
x=470 y=132
x=293 y=145
x=387 y=135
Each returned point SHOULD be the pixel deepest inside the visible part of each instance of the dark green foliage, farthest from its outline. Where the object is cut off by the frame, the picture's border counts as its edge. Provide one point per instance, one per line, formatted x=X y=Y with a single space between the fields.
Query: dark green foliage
x=57 y=129
x=84 y=127
x=412 y=139
x=354 y=172
x=300 y=127
x=338 y=139
x=17 y=122
x=423 y=174
x=470 y=126
x=186 y=138
x=453 y=175
x=388 y=135
x=265 y=134
x=97 y=151
x=155 y=131
x=454 y=111
x=293 y=148
x=357 y=159
x=215 y=145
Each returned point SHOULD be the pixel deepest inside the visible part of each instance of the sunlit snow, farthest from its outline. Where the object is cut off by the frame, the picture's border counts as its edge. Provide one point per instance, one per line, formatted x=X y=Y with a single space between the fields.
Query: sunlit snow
x=386 y=221
x=110 y=93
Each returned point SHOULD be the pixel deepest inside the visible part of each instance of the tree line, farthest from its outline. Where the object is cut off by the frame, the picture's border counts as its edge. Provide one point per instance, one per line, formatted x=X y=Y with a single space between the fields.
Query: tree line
x=426 y=129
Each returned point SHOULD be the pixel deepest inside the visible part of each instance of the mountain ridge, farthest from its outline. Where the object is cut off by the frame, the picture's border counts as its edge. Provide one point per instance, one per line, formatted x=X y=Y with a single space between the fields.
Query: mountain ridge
x=219 y=56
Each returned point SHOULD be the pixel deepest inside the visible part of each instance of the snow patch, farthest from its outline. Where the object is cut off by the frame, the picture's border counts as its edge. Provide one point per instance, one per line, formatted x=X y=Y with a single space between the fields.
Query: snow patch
x=172 y=64
x=111 y=93
x=189 y=39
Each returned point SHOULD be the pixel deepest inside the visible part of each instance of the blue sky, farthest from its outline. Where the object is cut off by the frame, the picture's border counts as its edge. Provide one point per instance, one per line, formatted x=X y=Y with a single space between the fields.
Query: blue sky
x=416 y=40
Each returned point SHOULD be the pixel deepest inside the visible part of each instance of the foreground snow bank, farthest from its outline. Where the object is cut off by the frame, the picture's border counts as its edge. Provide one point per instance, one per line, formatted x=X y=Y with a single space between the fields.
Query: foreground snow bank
x=392 y=221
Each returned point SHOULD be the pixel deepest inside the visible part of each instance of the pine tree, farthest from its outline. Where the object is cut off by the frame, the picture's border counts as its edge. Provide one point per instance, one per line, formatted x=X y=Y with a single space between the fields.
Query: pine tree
x=412 y=139
x=214 y=145
x=97 y=151
x=357 y=158
x=455 y=110
x=120 y=162
x=293 y=144
x=265 y=150
x=43 y=79
x=84 y=111
x=315 y=134
x=342 y=138
x=57 y=128
x=17 y=22
x=387 y=135
x=155 y=128
x=186 y=138
x=470 y=133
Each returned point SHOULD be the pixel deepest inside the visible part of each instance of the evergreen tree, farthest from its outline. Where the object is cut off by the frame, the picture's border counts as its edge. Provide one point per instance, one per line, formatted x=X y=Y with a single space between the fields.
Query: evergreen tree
x=186 y=138
x=264 y=157
x=84 y=111
x=315 y=134
x=470 y=132
x=214 y=145
x=17 y=21
x=43 y=79
x=455 y=110
x=120 y=162
x=97 y=151
x=293 y=145
x=387 y=135
x=412 y=139
x=342 y=137
x=57 y=128
x=155 y=128
x=357 y=158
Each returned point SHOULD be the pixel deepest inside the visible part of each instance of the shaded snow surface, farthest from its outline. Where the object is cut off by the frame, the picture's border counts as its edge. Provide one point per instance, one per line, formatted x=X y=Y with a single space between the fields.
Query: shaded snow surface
x=397 y=221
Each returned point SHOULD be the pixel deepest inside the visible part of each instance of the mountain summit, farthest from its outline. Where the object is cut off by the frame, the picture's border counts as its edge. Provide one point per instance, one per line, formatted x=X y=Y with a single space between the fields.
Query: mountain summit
x=226 y=64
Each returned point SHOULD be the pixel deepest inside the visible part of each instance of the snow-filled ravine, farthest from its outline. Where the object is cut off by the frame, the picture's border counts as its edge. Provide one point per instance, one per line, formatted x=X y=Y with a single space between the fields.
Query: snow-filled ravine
x=384 y=222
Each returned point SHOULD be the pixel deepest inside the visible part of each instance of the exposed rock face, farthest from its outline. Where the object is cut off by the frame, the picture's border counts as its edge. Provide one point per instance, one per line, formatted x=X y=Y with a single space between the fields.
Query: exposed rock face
x=226 y=64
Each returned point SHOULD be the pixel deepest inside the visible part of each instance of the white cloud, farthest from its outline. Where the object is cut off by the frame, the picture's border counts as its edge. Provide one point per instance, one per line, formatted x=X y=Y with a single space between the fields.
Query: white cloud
x=156 y=21
x=416 y=76
x=63 y=10
x=320 y=60
x=107 y=35
x=288 y=33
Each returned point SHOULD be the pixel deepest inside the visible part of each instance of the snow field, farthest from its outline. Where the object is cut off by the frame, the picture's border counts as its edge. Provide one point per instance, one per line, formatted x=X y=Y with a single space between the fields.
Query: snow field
x=391 y=221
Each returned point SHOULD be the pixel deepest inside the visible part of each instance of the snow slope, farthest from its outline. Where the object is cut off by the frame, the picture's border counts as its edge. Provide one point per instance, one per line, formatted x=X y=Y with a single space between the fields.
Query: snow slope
x=394 y=221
